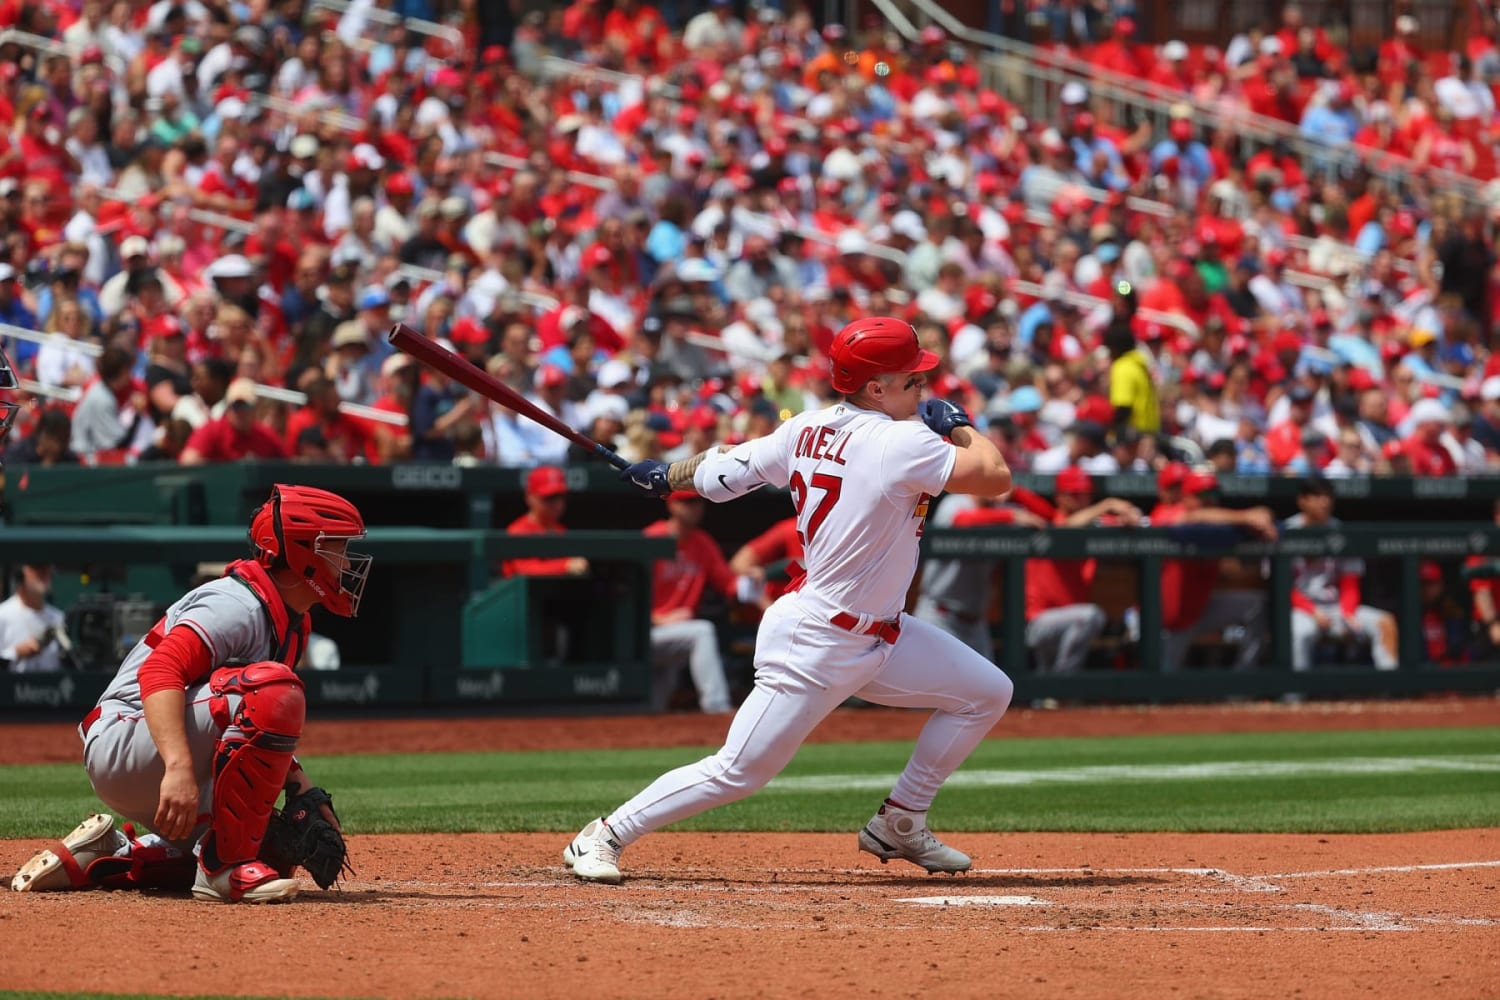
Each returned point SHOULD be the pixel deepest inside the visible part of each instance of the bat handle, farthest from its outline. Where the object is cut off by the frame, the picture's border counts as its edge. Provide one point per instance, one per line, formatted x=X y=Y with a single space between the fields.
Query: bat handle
x=612 y=457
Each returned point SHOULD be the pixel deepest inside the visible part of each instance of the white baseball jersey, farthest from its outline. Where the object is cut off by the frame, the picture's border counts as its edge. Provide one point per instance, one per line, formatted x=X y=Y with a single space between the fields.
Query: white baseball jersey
x=1318 y=579
x=18 y=622
x=861 y=483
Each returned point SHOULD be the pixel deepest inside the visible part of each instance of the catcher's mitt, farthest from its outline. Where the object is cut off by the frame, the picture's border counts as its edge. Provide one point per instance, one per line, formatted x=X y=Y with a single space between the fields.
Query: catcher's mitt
x=299 y=834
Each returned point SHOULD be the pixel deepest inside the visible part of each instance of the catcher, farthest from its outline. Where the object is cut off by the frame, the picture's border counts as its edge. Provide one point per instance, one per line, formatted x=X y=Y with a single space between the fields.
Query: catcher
x=194 y=739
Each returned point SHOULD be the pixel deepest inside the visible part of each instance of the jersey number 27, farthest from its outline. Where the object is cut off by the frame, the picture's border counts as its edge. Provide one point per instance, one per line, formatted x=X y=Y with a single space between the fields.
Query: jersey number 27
x=809 y=518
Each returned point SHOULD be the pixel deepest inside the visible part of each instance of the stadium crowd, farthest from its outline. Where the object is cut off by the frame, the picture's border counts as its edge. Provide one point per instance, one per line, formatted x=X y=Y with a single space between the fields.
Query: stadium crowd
x=657 y=239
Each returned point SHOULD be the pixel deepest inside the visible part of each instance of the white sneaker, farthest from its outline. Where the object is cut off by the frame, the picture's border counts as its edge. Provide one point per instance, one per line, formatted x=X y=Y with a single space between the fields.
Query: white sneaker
x=65 y=863
x=594 y=855
x=248 y=882
x=897 y=833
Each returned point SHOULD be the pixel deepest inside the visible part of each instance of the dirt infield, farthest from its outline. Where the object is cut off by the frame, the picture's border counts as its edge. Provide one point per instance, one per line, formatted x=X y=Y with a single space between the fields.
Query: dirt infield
x=806 y=915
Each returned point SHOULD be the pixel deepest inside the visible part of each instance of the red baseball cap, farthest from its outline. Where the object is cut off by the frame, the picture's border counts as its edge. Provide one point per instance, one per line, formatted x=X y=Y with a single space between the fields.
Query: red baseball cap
x=683 y=495
x=550 y=375
x=1430 y=572
x=1171 y=475
x=468 y=331
x=1073 y=480
x=1095 y=408
x=1199 y=482
x=546 y=481
x=876 y=345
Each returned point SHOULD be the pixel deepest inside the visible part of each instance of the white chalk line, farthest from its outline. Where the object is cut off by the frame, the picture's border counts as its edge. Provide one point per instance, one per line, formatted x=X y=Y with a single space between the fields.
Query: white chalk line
x=1384 y=869
x=1336 y=919
x=1112 y=773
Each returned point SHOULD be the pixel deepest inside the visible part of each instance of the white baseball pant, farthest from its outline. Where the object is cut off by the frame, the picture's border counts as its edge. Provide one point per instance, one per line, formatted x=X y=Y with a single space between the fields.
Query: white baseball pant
x=805 y=667
x=1368 y=623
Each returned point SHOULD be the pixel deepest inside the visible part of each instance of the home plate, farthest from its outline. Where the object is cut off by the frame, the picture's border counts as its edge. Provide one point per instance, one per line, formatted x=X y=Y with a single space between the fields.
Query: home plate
x=975 y=901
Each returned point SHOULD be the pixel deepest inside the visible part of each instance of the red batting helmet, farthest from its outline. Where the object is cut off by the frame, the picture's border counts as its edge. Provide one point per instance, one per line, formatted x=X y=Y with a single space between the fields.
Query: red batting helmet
x=307 y=531
x=876 y=345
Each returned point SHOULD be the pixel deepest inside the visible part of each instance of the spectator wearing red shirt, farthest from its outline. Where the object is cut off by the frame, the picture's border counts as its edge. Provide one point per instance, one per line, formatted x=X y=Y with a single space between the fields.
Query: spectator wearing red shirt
x=774 y=558
x=1171 y=71
x=1117 y=54
x=1190 y=601
x=236 y=435
x=1396 y=54
x=347 y=439
x=1061 y=621
x=1424 y=445
x=1284 y=441
x=676 y=589
x=546 y=500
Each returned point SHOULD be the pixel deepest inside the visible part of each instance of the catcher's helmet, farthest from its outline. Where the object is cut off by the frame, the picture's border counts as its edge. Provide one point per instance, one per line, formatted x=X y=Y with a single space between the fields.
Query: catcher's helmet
x=8 y=409
x=307 y=530
x=876 y=345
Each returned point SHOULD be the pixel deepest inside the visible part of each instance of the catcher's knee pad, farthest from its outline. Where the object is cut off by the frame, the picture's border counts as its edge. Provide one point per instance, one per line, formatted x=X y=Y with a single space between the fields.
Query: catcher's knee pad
x=253 y=758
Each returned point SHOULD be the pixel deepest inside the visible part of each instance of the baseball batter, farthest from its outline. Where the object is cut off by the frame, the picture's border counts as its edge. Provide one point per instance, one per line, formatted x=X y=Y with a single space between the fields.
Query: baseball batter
x=194 y=737
x=862 y=475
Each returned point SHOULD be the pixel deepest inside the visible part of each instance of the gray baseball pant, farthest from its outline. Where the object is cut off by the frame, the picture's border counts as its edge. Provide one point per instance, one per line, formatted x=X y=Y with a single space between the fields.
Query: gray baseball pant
x=1227 y=607
x=695 y=643
x=1060 y=637
x=975 y=634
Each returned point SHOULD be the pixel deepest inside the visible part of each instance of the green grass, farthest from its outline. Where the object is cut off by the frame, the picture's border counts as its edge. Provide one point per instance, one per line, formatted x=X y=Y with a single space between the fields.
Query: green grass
x=1335 y=782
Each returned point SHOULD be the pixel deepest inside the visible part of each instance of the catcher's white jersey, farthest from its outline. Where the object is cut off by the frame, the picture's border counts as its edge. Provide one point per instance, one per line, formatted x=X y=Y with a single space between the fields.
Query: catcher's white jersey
x=861 y=483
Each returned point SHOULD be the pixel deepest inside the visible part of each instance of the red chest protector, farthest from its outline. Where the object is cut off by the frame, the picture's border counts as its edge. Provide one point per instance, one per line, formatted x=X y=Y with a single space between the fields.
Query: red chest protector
x=288 y=638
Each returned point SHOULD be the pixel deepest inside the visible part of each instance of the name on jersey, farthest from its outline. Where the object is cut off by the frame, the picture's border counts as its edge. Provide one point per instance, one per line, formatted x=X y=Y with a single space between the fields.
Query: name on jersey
x=820 y=443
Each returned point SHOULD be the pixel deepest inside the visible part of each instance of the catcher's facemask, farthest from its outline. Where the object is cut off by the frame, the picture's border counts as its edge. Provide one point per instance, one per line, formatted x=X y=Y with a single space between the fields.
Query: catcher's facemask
x=8 y=408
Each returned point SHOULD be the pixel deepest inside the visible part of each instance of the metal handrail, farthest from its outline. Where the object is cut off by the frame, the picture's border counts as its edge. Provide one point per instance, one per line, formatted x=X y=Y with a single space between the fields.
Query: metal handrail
x=557 y=66
x=68 y=394
x=284 y=395
x=1085 y=300
x=430 y=28
x=507 y=162
x=57 y=47
x=92 y=349
x=88 y=347
x=1035 y=61
x=341 y=120
x=206 y=216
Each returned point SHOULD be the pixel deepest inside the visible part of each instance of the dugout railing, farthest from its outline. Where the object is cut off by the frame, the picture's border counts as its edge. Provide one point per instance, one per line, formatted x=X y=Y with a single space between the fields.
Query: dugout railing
x=426 y=634
x=1396 y=549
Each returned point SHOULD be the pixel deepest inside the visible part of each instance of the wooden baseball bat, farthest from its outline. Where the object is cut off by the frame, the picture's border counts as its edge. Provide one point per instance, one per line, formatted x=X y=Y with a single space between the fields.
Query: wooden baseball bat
x=460 y=370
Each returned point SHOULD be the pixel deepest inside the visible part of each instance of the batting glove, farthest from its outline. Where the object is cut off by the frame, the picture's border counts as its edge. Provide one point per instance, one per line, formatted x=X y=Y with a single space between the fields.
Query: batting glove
x=943 y=416
x=649 y=476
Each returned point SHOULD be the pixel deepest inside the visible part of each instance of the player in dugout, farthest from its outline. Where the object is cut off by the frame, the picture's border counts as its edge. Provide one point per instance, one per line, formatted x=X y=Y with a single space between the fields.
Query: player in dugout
x=1191 y=600
x=546 y=501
